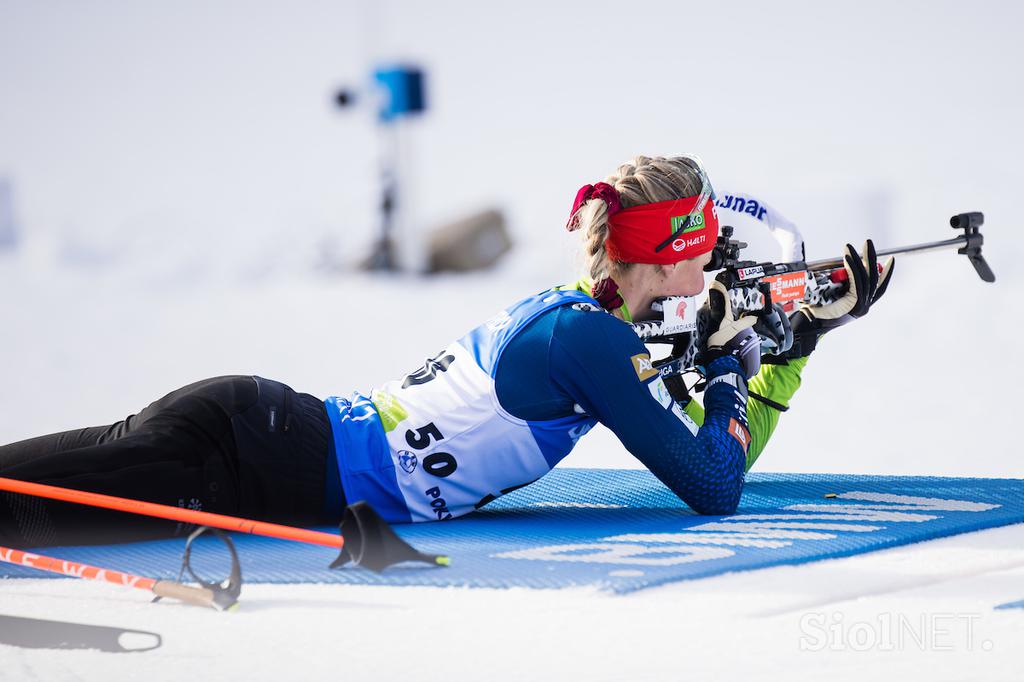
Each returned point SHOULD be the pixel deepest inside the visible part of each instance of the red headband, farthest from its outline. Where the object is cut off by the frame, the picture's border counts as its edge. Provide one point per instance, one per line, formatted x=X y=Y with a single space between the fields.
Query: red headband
x=660 y=233
x=663 y=232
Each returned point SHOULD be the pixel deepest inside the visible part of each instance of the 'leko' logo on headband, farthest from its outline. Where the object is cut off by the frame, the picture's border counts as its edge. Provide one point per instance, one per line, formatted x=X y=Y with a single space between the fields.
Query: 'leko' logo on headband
x=688 y=223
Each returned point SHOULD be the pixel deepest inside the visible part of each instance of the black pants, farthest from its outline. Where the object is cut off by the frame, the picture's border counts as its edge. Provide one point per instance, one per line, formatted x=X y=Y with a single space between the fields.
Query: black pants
x=237 y=445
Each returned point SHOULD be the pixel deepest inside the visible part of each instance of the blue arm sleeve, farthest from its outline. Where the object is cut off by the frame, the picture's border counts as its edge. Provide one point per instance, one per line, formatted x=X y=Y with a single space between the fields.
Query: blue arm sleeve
x=598 y=361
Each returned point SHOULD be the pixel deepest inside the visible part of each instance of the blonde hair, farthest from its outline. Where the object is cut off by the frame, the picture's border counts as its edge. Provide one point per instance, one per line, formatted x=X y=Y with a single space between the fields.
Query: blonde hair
x=643 y=180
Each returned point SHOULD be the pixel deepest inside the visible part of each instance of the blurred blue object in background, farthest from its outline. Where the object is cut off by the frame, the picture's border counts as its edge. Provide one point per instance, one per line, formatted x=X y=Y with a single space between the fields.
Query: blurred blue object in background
x=8 y=230
x=404 y=91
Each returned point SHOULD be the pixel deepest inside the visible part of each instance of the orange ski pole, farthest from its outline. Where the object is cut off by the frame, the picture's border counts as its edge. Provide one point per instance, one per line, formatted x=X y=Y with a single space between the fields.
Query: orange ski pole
x=372 y=543
x=163 y=511
x=200 y=596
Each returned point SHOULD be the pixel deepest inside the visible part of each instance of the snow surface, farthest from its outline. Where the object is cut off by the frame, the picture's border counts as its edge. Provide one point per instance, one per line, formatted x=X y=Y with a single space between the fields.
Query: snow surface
x=186 y=202
x=919 y=612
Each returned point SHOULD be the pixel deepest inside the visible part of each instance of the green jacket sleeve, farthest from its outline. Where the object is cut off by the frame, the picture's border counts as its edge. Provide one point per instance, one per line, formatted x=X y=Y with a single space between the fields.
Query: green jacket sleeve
x=777 y=383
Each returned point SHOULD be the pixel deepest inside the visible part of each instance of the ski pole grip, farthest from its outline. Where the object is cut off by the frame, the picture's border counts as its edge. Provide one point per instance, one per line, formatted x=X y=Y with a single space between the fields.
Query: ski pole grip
x=199 y=596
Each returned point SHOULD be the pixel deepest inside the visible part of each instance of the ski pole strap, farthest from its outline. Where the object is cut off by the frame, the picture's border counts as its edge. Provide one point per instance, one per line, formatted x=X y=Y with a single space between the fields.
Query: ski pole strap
x=221 y=595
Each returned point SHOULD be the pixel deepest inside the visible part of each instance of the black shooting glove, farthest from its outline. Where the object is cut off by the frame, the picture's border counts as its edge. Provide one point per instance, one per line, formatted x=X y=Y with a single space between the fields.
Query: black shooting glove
x=774 y=328
x=867 y=285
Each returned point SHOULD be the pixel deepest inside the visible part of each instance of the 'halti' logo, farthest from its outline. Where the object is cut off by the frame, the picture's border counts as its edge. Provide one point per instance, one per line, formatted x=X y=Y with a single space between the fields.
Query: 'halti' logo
x=680 y=244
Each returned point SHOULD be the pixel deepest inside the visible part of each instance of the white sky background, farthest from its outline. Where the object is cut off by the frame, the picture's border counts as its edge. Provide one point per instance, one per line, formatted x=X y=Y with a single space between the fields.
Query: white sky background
x=125 y=121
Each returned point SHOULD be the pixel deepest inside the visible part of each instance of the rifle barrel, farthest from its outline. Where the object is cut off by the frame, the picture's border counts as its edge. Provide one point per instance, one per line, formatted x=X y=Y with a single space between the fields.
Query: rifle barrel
x=832 y=263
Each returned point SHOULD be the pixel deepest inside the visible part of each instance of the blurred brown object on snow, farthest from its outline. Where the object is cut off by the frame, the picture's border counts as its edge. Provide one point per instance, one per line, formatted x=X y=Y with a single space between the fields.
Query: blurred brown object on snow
x=473 y=243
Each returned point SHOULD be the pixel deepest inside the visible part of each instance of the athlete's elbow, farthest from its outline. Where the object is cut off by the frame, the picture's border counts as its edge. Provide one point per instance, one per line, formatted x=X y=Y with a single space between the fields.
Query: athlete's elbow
x=715 y=507
x=719 y=501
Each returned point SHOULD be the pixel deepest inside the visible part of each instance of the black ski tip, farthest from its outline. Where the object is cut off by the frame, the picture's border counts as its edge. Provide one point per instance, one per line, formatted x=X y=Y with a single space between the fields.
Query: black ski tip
x=371 y=543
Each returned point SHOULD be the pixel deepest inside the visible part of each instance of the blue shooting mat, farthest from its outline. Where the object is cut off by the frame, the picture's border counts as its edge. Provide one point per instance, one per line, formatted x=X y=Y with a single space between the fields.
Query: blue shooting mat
x=620 y=530
x=1012 y=605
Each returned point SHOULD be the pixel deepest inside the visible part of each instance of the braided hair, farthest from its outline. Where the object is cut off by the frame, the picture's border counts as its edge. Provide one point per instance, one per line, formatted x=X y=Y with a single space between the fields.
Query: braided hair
x=643 y=180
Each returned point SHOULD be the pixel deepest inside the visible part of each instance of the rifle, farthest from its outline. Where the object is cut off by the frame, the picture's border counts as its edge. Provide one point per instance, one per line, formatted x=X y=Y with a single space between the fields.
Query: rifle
x=754 y=287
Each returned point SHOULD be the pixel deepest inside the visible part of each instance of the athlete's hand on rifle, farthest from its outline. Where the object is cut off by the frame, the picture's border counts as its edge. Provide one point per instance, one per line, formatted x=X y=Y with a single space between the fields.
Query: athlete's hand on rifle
x=775 y=331
x=867 y=283
x=731 y=336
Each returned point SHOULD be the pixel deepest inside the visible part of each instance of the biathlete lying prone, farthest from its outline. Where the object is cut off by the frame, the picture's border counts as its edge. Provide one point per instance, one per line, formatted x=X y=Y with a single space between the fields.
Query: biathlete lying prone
x=494 y=411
